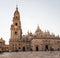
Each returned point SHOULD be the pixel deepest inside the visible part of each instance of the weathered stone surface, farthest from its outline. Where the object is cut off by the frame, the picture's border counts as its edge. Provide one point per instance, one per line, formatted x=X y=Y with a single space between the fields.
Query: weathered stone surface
x=47 y=54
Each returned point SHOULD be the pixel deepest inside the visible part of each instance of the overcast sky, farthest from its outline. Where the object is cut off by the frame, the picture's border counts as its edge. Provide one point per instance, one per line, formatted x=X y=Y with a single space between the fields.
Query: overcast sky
x=45 y=13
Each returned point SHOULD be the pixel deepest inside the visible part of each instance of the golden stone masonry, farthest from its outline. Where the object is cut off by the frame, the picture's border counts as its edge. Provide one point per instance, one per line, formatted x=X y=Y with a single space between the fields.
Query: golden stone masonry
x=40 y=41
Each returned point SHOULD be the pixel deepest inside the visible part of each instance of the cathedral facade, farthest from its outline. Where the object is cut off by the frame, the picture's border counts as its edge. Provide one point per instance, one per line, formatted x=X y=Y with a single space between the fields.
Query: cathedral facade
x=39 y=41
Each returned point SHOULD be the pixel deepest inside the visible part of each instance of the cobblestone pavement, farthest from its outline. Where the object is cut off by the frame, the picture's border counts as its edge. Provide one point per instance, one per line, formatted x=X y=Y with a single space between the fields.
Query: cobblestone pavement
x=40 y=54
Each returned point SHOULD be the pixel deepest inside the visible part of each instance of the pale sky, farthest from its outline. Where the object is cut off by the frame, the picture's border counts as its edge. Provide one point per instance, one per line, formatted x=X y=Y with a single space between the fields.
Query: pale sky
x=45 y=13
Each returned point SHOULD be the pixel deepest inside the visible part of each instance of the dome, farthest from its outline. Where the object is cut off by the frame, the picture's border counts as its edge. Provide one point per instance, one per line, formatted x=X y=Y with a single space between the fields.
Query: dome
x=38 y=32
x=38 y=29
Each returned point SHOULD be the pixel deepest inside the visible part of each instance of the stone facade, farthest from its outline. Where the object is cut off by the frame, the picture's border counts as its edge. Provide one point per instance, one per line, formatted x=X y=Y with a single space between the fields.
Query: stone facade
x=39 y=41
x=2 y=45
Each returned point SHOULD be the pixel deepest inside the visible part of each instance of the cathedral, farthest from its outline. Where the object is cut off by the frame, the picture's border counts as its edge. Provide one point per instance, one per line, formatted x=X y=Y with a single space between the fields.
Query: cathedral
x=39 y=41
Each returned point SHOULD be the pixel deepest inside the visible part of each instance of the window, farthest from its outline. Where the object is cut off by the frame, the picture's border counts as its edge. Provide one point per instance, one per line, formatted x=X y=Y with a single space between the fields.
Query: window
x=16 y=24
x=19 y=47
x=16 y=16
x=15 y=33
x=58 y=42
x=19 y=44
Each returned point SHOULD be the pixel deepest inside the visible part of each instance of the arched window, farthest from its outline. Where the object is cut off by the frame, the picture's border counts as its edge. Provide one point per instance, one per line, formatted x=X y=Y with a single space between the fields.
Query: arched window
x=15 y=33
x=19 y=47
x=16 y=16
x=16 y=24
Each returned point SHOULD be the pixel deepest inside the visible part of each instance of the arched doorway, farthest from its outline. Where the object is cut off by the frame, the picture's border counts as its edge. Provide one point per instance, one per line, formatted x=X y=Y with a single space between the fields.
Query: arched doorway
x=46 y=48
x=51 y=49
x=37 y=49
x=23 y=49
x=58 y=49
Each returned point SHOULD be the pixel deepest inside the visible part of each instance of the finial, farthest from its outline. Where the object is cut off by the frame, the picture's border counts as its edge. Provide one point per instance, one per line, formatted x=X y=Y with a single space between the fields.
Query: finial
x=38 y=27
x=16 y=7
x=28 y=32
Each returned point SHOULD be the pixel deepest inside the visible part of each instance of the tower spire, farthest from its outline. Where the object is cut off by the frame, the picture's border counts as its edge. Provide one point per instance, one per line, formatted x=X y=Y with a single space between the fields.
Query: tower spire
x=16 y=7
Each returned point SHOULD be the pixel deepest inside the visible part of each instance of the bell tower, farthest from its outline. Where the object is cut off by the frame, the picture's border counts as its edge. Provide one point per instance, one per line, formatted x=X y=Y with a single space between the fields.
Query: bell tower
x=16 y=31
